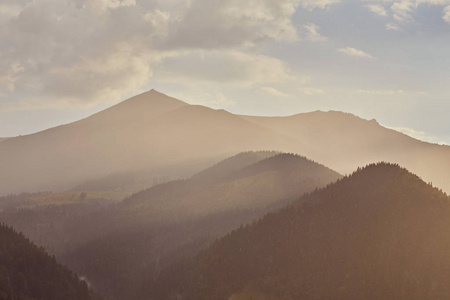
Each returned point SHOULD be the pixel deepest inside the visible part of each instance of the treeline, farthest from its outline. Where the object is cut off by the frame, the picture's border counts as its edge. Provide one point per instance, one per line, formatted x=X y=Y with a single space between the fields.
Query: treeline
x=156 y=227
x=118 y=245
x=381 y=233
x=27 y=272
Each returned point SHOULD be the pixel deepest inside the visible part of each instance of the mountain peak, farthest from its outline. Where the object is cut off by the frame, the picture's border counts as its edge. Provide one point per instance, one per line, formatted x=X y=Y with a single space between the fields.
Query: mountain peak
x=145 y=105
x=155 y=92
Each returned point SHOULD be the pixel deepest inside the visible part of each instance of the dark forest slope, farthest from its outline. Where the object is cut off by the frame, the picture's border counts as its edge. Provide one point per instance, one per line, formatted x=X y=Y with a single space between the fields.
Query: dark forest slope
x=381 y=233
x=27 y=272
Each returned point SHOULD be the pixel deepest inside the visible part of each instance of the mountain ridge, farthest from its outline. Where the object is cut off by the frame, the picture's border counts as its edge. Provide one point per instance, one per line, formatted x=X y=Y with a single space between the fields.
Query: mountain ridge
x=157 y=221
x=155 y=131
x=379 y=233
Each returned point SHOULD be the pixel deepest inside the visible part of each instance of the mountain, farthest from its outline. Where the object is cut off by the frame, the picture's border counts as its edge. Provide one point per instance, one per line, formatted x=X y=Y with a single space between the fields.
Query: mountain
x=153 y=228
x=246 y=181
x=27 y=272
x=150 y=130
x=344 y=142
x=156 y=134
x=381 y=233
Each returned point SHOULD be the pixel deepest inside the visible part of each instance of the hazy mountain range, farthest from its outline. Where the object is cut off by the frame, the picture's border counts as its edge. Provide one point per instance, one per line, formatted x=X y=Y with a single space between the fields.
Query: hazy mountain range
x=114 y=246
x=154 y=198
x=155 y=132
x=381 y=233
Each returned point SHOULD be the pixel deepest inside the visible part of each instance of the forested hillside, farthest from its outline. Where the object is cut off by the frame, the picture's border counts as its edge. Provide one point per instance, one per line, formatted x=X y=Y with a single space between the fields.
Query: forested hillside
x=381 y=233
x=155 y=227
x=28 y=273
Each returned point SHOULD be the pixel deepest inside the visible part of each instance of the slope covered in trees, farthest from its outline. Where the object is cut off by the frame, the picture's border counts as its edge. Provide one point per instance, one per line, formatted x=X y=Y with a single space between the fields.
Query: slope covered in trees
x=381 y=233
x=233 y=184
x=27 y=272
x=152 y=228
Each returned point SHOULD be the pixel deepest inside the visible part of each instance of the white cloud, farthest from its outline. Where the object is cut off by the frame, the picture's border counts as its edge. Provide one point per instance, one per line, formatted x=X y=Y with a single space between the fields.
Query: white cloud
x=224 y=67
x=110 y=4
x=312 y=33
x=377 y=9
x=433 y=2
x=209 y=24
x=311 y=91
x=90 y=51
x=8 y=79
x=311 y=4
x=274 y=92
x=104 y=78
x=392 y=26
x=446 y=16
x=403 y=10
x=354 y=52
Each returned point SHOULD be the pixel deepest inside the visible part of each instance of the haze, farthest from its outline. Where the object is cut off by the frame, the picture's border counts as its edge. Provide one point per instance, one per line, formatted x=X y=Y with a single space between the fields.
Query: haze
x=226 y=150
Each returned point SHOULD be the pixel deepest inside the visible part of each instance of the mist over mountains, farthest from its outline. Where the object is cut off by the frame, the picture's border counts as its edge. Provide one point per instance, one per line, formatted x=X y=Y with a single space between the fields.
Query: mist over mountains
x=163 y=135
x=154 y=198
x=114 y=246
x=380 y=233
x=292 y=190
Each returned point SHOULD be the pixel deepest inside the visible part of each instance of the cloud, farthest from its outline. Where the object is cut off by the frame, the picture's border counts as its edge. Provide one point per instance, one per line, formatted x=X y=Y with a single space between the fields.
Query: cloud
x=392 y=26
x=433 y=2
x=224 y=67
x=82 y=52
x=9 y=78
x=229 y=23
x=103 y=77
x=403 y=10
x=274 y=92
x=311 y=4
x=311 y=91
x=379 y=92
x=312 y=33
x=446 y=16
x=377 y=9
x=103 y=5
x=354 y=52
x=9 y=10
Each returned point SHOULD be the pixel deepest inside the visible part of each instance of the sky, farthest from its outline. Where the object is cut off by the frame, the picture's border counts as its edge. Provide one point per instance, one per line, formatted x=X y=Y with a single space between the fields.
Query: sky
x=389 y=60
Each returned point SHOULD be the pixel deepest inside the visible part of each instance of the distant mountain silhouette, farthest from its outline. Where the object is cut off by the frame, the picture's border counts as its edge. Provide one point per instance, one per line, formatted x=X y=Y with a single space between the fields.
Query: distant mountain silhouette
x=230 y=165
x=381 y=233
x=150 y=130
x=154 y=132
x=344 y=142
x=137 y=235
x=27 y=272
